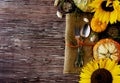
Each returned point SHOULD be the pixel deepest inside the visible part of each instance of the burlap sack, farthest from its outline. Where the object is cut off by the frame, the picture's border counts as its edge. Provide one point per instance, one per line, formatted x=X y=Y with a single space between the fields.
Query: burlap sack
x=70 y=51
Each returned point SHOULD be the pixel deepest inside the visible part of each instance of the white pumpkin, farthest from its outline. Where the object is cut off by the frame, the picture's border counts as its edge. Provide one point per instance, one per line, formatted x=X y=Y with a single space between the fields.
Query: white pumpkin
x=83 y=5
x=107 y=48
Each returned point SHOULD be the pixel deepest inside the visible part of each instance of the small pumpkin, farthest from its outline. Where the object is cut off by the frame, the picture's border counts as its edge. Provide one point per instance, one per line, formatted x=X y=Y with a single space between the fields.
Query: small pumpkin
x=107 y=48
x=97 y=25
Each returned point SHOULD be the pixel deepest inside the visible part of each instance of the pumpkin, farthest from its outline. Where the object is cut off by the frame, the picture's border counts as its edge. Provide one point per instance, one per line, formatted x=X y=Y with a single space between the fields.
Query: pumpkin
x=98 y=26
x=107 y=48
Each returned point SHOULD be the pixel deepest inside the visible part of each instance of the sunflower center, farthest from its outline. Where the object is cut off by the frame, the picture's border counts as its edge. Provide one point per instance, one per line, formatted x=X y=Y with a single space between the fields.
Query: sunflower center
x=101 y=76
x=109 y=8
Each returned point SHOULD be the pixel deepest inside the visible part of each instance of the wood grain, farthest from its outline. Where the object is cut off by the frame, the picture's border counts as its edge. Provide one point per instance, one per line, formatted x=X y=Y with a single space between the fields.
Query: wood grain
x=32 y=43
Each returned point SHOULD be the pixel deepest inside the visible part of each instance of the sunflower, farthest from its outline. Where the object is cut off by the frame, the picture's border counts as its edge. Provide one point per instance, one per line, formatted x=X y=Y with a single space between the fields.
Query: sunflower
x=100 y=71
x=106 y=10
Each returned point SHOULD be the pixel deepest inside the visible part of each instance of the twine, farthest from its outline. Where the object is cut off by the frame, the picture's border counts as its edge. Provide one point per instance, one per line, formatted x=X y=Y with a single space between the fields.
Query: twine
x=79 y=43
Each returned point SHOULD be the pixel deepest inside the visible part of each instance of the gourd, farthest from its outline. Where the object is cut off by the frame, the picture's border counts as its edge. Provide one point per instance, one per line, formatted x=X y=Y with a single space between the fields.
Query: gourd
x=107 y=48
x=83 y=5
x=98 y=26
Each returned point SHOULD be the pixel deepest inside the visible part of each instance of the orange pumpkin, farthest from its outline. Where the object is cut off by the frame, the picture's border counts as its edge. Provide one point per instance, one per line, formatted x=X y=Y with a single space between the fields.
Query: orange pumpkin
x=107 y=48
x=97 y=25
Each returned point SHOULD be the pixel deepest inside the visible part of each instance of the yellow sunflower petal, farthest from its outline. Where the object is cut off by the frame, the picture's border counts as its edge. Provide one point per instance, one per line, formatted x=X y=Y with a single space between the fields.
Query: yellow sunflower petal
x=116 y=79
x=85 y=81
x=93 y=4
x=96 y=65
x=106 y=17
x=85 y=75
x=117 y=8
x=114 y=14
x=118 y=18
x=110 y=64
x=113 y=17
x=118 y=15
x=116 y=3
x=116 y=70
x=90 y=66
x=85 y=70
x=108 y=2
x=102 y=63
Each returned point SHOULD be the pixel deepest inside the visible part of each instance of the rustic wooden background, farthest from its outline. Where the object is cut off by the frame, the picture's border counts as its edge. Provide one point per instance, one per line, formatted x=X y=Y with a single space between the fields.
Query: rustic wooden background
x=32 y=43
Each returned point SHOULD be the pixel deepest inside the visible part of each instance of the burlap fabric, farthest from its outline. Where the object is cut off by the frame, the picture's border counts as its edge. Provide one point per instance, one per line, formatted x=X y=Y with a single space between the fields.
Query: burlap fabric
x=70 y=51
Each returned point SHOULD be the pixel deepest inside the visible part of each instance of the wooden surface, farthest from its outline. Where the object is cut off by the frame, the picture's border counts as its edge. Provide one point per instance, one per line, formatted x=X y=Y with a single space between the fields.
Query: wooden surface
x=32 y=43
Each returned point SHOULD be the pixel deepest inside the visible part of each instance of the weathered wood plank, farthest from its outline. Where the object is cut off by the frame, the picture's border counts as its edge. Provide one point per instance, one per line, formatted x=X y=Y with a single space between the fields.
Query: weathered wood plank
x=31 y=43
